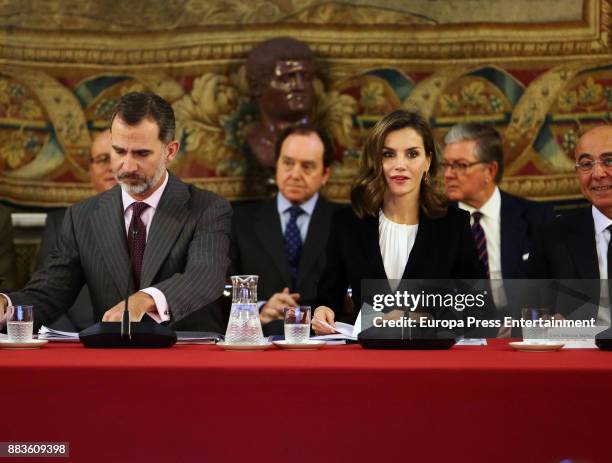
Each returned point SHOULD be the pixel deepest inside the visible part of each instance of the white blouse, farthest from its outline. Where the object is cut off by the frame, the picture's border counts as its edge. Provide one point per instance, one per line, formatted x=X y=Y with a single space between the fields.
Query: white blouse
x=396 y=241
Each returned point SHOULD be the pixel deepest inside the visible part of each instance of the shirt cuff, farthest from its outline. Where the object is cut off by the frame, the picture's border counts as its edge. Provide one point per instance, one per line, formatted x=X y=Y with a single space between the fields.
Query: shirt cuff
x=163 y=312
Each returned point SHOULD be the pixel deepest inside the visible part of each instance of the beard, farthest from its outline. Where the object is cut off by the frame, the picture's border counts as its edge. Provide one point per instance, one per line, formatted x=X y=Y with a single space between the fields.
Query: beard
x=140 y=184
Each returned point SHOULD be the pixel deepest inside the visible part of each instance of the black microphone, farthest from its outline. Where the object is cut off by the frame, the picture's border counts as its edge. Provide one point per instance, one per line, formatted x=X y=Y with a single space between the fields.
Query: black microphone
x=146 y=333
x=603 y=339
x=126 y=325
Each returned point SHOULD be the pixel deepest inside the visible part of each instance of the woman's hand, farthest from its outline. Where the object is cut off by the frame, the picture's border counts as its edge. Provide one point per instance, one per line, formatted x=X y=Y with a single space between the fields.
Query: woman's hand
x=323 y=321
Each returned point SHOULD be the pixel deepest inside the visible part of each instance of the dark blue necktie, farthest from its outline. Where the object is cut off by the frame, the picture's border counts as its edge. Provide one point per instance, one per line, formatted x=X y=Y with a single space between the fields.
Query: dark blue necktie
x=481 y=241
x=293 y=242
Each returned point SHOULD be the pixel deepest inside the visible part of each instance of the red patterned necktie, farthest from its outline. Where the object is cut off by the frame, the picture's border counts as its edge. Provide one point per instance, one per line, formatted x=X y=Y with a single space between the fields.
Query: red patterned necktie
x=481 y=241
x=137 y=240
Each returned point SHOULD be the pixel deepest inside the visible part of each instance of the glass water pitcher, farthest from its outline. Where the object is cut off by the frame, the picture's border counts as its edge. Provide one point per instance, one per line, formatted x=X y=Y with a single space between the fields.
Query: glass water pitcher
x=244 y=326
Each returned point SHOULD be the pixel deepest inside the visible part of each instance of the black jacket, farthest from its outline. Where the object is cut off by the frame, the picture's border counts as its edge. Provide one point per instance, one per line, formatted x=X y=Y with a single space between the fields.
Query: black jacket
x=443 y=249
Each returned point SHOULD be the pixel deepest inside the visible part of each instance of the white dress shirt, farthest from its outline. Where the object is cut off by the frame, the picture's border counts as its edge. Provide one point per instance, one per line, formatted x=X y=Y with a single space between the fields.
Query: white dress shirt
x=161 y=304
x=303 y=220
x=602 y=238
x=396 y=241
x=491 y=224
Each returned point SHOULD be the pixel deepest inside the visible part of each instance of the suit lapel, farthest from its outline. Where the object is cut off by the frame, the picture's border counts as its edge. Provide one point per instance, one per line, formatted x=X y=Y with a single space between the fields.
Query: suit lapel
x=268 y=230
x=421 y=254
x=581 y=244
x=370 y=238
x=513 y=231
x=168 y=221
x=109 y=229
x=316 y=238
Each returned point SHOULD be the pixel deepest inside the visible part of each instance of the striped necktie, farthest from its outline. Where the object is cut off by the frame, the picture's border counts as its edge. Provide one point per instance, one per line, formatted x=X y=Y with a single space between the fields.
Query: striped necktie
x=481 y=241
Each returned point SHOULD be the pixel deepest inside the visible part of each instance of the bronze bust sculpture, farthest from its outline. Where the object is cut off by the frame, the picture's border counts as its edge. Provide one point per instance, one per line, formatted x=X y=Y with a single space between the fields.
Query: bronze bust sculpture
x=280 y=73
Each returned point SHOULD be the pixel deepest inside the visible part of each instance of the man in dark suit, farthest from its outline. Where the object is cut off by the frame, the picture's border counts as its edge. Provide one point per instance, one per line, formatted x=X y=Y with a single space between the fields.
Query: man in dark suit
x=283 y=239
x=503 y=225
x=175 y=235
x=577 y=246
x=80 y=315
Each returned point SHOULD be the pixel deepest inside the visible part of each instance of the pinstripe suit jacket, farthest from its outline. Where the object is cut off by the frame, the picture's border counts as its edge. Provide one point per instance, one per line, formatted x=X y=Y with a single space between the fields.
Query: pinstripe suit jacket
x=185 y=257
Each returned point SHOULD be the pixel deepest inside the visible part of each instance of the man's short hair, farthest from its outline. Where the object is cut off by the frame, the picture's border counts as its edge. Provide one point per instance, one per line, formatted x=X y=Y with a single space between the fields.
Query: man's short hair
x=307 y=129
x=261 y=61
x=136 y=106
x=488 y=147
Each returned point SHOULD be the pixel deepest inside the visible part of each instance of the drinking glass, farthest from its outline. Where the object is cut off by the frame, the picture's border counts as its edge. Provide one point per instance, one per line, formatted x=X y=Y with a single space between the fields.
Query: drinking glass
x=297 y=324
x=536 y=334
x=20 y=322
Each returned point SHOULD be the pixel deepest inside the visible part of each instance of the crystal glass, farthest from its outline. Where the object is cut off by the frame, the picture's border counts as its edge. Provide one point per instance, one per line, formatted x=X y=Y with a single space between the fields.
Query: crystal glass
x=297 y=324
x=19 y=322
x=244 y=326
x=535 y=334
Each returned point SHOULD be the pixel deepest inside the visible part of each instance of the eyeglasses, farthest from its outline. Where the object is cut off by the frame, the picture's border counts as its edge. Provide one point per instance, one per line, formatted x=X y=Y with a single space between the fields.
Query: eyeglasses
x=102 y=160
x=587 y=165
x=459 y=167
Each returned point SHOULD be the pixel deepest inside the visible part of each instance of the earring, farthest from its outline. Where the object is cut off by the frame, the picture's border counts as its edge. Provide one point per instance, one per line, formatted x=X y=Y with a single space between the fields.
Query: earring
x=427 y=178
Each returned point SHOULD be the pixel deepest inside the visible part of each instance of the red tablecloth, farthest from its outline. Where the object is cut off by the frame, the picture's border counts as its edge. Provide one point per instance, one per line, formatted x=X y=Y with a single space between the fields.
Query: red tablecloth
x=343 y=403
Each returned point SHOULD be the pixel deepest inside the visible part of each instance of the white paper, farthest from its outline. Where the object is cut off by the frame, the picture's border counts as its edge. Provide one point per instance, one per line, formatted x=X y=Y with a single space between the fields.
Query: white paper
x=56 y=335
x=577 y=343
x=345 y=328
x=471 y=342
x=344 y=332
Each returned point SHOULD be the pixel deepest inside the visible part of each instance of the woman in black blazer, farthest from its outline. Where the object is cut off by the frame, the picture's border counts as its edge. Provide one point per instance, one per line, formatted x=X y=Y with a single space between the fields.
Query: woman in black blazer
x=394 y=195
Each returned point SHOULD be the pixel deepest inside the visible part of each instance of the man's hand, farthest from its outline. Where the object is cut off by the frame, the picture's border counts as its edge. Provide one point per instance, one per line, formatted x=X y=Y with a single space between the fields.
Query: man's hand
x=323 y=321
x=139 y=304
x=274 y=308
x=3 y=304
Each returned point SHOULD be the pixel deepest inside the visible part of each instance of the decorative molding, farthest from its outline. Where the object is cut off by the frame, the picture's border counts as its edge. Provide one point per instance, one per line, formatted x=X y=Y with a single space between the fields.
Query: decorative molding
x=44 y=194
x=589 y=37
x=543 y=188
x=51 y=194
x=549 y=188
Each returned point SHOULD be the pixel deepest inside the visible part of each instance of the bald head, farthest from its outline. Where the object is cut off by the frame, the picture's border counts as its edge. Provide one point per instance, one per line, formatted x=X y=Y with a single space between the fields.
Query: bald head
x=100 y=173
x=594 y=149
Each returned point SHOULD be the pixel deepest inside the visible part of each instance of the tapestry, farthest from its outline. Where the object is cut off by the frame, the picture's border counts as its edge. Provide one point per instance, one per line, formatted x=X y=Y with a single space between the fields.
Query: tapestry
x=540 y=72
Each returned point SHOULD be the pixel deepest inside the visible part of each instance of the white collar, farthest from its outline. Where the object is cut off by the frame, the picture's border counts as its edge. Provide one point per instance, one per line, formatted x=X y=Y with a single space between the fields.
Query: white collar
x=152 y=201
x=490 y=209
x=601 y=220
x=282 y=203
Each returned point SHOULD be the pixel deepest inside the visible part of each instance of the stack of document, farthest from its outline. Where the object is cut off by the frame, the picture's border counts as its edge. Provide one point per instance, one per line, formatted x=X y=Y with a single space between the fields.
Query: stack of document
x=56 y=335
x=344 y=332
x=198 y=337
